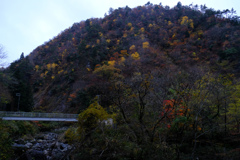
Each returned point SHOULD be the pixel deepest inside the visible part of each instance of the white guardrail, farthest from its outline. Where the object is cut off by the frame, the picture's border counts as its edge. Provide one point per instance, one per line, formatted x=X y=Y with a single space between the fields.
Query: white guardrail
x=37 y=115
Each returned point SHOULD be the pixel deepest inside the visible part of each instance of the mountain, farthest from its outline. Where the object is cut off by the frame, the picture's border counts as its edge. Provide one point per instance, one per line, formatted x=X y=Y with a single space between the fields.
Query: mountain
x=153 y=36
x=151 y=82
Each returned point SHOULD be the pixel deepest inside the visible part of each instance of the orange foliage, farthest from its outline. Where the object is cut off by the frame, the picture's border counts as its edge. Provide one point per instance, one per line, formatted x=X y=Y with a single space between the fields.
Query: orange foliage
x=73 y=95
x=37 y=123
x=173 y=108
x=124 y=52
x=97 y=66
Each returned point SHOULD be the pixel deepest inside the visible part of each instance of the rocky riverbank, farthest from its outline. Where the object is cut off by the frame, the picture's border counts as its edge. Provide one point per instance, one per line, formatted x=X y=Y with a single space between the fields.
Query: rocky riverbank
x=43 y=146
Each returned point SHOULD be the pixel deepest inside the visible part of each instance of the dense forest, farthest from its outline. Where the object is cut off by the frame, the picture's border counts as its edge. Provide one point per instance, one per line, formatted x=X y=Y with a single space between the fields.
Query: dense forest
x=167 y=77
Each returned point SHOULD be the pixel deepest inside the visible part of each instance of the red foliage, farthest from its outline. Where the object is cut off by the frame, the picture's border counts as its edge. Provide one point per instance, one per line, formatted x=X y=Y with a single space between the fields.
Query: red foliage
x=172 y=109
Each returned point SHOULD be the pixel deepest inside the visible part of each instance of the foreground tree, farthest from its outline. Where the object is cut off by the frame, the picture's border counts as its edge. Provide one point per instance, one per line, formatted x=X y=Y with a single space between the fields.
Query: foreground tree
x=174 y=109
x=21 y=71
x=6 y=80
x=3 y=55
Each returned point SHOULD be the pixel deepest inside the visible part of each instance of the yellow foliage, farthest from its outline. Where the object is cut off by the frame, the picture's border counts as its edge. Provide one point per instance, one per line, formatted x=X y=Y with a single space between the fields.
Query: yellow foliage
x=132 y=47
x=53 y=77
x=98 y=41
x=124 y=52
x=184 y=20
x=51 y=66
x=60 y=71
x=132 y=28
x=145 y=45
x=125 y=35
x=142 y=29
x=191 y=23
x=100 y=34
x=169 y=23
x=111 y=63
x=122 y=59
x=48 y=66
x=129 y=24
x=118 y=41
x=108 y=40
x=135 y=56
x=54 y=65
x=36 y=67
x=71 y=135
x=137 y=74
x=187 y=22
x=234 y=109
x=87 y=46
x=174 y=35
x=150 y=25
x=106 y=71
x=91 y=117
x=200 y=33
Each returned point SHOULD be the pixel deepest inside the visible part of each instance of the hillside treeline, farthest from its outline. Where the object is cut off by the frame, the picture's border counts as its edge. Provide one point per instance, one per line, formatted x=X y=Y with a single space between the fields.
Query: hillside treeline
x=168 y=77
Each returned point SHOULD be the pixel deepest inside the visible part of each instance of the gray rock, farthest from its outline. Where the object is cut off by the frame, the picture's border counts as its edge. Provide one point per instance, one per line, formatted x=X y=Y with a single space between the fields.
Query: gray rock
x=69 y=147
x=44 y=146
x=50 y=136
x=15 y=145
x=52 y=144
x=20 y=141
x=62 y=147
x=29 y=145
x=45 y=152
x=33 y=140
x=37 y=146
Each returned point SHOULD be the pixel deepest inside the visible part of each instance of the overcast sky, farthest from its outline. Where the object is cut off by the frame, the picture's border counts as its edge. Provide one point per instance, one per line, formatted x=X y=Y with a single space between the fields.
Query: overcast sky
x=26 y=24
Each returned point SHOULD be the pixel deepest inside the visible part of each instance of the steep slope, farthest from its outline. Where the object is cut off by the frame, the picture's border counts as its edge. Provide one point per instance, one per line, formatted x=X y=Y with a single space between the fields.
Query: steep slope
x=152 y=36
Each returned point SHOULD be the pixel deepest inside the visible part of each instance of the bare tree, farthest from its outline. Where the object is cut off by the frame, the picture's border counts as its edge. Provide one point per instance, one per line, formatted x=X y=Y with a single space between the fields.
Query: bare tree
x=3 y=56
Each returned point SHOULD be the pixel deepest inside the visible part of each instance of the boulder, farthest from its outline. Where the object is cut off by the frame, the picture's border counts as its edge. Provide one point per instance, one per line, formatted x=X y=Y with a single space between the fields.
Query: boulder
x=28 y=145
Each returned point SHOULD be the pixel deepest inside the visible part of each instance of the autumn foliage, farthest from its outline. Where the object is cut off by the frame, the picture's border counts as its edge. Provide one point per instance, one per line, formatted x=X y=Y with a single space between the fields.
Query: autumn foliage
x=170 y=77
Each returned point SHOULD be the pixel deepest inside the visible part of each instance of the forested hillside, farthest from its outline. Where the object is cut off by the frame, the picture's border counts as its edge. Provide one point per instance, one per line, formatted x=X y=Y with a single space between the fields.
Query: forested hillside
x=169 y=77
x=153 y=37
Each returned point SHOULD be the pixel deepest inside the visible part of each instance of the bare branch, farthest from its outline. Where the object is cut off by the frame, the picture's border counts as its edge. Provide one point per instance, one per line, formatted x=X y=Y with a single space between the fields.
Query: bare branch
x=3 y=55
